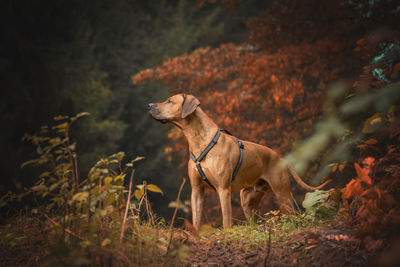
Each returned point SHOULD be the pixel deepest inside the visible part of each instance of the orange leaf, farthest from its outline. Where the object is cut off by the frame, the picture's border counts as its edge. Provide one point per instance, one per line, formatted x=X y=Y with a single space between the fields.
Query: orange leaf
x=371 y=141
x=362 y=174
x=353 y=188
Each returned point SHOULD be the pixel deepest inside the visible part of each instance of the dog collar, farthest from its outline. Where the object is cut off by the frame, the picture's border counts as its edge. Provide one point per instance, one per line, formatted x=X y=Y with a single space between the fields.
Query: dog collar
x=208 y=148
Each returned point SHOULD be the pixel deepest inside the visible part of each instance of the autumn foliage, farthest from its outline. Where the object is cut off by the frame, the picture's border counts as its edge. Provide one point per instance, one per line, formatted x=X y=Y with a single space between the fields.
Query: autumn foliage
x=271 y=88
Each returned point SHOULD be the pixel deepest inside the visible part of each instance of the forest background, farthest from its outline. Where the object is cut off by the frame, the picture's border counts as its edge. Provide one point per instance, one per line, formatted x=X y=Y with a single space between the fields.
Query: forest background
x=261 y=69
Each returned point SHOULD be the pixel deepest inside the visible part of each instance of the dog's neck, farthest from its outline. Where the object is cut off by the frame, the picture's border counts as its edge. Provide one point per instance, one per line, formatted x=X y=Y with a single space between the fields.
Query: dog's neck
x=199 y=130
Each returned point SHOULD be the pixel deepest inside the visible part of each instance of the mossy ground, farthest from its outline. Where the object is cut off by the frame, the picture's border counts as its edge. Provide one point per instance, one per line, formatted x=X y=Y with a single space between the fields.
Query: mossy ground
x=279 y=240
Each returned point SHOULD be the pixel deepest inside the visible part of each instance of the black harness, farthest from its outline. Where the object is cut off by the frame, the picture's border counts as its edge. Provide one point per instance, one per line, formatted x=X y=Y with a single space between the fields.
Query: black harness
x=208 y=148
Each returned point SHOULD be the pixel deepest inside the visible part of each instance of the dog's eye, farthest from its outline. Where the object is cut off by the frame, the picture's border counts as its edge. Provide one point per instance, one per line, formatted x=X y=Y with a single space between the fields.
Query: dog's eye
x=169 y=101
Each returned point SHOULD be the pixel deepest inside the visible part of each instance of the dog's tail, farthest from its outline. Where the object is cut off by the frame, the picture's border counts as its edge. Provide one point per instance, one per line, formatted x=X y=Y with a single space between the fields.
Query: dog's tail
x=302 y=183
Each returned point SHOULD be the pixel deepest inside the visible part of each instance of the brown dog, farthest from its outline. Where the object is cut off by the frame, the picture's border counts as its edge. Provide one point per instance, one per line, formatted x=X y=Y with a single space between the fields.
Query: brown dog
x=260 y=169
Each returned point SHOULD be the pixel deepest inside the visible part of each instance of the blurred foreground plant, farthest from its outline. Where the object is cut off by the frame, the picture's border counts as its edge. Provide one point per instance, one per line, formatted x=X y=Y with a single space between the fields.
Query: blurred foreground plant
x=88 y=212
x=356 y=143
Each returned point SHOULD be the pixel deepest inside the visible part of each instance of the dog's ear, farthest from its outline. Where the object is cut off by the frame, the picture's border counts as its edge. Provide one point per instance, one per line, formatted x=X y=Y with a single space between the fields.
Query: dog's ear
x=189 y=105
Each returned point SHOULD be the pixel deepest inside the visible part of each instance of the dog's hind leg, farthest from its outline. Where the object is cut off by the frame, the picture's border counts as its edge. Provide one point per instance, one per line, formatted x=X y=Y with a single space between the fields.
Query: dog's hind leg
x=250 y=198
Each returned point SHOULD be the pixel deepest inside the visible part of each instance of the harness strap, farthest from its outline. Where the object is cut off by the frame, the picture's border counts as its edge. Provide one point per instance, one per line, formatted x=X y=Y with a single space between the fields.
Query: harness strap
x=207 y=149
x=241 y=147
x=225 y=131
x=203 y=176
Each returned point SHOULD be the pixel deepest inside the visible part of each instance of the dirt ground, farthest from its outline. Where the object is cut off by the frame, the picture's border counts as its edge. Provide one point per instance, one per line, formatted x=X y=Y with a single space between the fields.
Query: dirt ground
x=332 y=244
x=321 y=246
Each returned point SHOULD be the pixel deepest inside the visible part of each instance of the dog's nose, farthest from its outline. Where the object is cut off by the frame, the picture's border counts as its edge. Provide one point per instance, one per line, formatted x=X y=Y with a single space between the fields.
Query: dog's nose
x=149 y=106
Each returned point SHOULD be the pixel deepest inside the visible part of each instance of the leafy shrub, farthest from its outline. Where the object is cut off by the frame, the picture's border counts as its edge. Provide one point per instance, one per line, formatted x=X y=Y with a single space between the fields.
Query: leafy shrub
x=84 y=213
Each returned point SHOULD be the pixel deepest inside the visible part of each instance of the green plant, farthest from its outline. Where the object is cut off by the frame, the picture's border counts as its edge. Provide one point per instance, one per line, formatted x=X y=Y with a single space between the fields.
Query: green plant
x=85 y=213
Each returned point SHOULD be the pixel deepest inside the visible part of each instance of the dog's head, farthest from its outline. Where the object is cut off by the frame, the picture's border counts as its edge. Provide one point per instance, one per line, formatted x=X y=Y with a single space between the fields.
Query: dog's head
x=175 y=108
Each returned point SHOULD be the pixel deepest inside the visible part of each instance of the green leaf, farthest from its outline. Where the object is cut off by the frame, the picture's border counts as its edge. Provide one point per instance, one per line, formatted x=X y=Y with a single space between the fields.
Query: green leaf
x=120 y=155
x=118 y=187
x=54 y=141
x=106 y=242
x=72 y=147
x=94 y=190
x=163 y=241
x=54 y=186
x=45 y=174
x=110 y=198
x=108 y=180
x=58 y=200
x=107 y=211
x=79 y=115
x=313 y=199
x=82 y=114
x=104 y=171
x=62 y=125
x=60 y=117
x=138 y=193
x=179 y=205
x=373 y=123
x=85 y=244
x=32 y=161
x=119 y=179
x=137 y=159
x=44 y=129
x=154 y=188
x=81 y=196
x=39 y=188
x=320 y=203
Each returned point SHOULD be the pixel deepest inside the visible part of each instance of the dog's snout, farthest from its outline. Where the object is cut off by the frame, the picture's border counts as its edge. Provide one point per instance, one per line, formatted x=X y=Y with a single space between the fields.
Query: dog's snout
x=149 y=106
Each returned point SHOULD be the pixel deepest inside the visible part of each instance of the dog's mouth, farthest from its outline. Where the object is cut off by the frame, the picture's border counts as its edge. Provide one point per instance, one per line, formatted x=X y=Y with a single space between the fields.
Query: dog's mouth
x=155 y=114
x=162 y=120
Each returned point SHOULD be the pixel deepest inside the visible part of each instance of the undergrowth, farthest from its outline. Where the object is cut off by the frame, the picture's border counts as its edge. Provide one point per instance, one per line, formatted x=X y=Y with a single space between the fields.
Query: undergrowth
x=67 y=220
x=30 y=240
x=274 y=225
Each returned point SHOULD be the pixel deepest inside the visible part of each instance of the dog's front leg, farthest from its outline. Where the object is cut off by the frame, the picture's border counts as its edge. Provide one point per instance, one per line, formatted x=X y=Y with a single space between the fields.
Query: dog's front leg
x=197 y=199
x=226 y=206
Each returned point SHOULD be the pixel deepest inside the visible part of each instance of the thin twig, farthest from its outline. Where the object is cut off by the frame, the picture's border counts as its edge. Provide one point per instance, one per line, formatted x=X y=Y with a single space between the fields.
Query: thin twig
x=140 y=205
x=76 y=171
x=259 y=216
x=147 y=202
x=88 y=209
x=71 y=160
x=128 y=203
x=268 y=244
x=295 y=202
x=173 y=217
x=65 y=229
x=84 y=182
